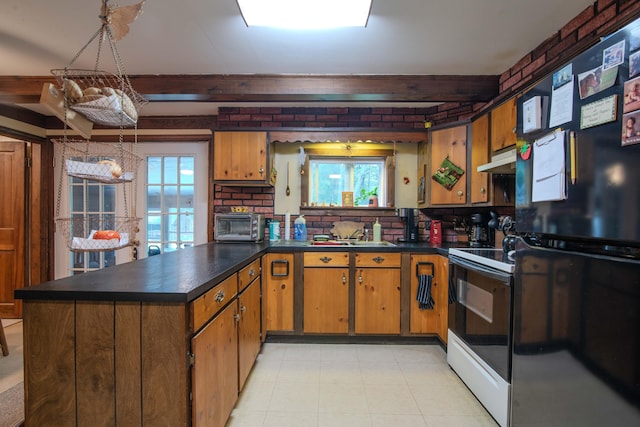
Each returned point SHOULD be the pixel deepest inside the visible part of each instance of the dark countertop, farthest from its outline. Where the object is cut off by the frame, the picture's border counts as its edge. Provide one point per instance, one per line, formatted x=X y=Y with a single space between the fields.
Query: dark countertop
x=183 y=275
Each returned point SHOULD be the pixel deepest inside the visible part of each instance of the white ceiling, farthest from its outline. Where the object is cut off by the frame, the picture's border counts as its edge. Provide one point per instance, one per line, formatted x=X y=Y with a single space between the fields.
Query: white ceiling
x=431 y=37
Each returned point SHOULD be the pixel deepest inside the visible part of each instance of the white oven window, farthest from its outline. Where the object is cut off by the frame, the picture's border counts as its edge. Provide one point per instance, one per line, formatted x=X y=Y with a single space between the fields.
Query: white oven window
x=476 y=299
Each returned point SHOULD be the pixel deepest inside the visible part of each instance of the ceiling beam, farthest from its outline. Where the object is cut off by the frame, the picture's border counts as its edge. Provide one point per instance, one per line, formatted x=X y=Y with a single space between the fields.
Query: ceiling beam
x=283 y=88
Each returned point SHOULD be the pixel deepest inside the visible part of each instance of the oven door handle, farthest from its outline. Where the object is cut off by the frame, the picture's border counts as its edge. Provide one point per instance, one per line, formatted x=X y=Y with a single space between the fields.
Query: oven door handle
x=479 y=268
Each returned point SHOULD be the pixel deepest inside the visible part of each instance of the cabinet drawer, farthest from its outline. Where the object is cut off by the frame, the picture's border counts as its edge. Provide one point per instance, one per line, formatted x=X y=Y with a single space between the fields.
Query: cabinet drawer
x=377 y=259
x=248 y=274
x=326 y=259
x=205 y=307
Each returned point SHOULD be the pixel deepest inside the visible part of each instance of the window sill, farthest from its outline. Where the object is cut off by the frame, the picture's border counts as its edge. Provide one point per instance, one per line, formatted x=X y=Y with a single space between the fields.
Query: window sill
x=347 y=211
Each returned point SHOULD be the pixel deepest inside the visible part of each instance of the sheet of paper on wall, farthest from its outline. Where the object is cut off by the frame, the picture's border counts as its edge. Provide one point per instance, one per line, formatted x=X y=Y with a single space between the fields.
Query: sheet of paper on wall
x=561 y=104
x=549 y=170
x=532 y=114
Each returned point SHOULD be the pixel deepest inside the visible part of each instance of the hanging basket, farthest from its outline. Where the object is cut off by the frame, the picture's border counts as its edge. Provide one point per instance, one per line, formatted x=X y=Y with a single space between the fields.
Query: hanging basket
x=107 y=163
x=98 y=232
x=102 y=97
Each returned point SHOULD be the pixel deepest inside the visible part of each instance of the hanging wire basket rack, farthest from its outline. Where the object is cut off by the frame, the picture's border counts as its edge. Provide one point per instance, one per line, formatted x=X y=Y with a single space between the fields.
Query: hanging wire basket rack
x=102 y=97
x=97 y=161
x=98 y=232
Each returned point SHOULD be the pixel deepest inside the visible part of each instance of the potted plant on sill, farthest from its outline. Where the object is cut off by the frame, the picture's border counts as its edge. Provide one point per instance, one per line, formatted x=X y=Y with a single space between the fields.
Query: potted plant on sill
x=367 y=198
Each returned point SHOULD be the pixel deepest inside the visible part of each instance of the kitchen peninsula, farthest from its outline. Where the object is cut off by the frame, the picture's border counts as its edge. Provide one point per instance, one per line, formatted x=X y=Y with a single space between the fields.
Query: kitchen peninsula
x=141 y=343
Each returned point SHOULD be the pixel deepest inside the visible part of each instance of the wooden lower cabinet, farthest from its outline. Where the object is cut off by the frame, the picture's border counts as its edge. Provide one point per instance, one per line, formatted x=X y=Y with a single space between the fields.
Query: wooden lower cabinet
x=214 y=375
x=278 y=284
x=377 y=293
x=326 y=300
x=248 y=330
x=431 y=321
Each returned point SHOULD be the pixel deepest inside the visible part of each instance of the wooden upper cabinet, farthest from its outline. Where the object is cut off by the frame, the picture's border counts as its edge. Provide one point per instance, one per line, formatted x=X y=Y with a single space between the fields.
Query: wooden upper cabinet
x=240 y=158
x=479 y=156
x=503 y=126
x=449 y=144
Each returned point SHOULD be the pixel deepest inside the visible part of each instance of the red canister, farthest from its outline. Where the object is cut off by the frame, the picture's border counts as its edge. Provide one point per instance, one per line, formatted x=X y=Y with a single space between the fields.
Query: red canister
x=436 y=232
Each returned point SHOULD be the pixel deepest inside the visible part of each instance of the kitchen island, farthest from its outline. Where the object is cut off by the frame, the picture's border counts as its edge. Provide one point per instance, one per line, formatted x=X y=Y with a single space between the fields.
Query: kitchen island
x=141 y=343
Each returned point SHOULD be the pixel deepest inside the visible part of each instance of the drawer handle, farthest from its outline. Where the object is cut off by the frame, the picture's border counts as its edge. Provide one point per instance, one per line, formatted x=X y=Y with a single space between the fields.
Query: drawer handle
x=252 y=272
x=220 y=296
x=378 y=259
x=325 y=259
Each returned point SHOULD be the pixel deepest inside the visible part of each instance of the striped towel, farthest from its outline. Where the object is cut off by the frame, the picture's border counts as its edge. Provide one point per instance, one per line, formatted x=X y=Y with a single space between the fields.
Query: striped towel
x=425 y=301
x=452 y=291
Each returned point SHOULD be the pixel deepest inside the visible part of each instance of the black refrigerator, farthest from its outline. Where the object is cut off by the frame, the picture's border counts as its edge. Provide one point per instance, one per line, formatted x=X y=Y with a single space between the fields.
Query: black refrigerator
x=576 y=320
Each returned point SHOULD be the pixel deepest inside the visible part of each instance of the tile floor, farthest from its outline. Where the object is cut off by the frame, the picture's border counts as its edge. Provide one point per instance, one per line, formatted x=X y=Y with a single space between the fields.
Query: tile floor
x=355 y=385
x=334 y=385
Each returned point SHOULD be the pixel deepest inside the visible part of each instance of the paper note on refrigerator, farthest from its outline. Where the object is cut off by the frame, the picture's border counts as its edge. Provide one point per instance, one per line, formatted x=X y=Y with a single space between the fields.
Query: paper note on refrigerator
x=549 y=170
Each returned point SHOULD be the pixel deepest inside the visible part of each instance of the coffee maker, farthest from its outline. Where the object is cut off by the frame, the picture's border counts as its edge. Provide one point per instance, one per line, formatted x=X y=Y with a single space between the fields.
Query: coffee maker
x=479 y=236
x=410 y=219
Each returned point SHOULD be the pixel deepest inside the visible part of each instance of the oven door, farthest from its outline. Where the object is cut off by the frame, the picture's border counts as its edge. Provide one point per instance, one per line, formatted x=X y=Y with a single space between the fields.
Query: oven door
x=480 y=311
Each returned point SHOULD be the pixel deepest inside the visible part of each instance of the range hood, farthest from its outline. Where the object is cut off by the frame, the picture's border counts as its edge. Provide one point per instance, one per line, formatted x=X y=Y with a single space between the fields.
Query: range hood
x=502 y=163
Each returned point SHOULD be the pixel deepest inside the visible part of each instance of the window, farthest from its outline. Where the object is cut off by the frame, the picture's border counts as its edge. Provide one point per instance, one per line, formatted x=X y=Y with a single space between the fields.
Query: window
x=330 y=176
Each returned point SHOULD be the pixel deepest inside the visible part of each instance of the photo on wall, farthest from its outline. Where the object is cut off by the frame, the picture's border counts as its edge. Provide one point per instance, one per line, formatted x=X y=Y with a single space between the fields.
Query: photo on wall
x=631 y=128
x=631 y=95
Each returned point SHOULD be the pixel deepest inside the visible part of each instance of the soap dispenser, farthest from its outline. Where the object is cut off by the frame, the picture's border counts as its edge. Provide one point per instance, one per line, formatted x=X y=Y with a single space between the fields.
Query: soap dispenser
x=377 y=231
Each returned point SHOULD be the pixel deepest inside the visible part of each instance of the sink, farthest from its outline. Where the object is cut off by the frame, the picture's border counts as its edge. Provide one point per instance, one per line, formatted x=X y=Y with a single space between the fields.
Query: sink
x=359 y=243
x=364 y=243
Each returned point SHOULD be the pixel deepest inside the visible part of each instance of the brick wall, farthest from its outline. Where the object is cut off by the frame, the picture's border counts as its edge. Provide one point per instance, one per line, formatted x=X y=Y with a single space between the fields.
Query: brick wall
x=344 y=117
x=600 y=19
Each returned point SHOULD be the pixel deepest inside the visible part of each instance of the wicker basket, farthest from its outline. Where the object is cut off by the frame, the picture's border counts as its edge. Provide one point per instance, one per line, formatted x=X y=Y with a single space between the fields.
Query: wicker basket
x=79 y=232
x=97 y=161
x=102 y=97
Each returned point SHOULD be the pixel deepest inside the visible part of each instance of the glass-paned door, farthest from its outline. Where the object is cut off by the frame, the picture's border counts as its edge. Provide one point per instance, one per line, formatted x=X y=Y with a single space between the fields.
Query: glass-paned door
x=96 y=201
x=172 y=197
x=170 y=206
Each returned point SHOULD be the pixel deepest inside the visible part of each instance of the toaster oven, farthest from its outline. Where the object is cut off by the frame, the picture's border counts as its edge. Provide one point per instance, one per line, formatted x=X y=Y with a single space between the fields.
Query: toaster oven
x=239 y=227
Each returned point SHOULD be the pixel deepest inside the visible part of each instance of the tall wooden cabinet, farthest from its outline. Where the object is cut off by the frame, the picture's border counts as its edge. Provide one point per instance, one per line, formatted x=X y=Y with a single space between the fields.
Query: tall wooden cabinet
x=503 y=125
x=326 y=292
x=479 y=192
x=249 y=308
x=451 y=144
x=242 y=158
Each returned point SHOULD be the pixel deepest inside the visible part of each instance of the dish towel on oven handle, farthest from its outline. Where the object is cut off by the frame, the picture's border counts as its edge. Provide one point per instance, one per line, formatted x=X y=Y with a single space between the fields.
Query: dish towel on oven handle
x=452 y=291
x=425 y=301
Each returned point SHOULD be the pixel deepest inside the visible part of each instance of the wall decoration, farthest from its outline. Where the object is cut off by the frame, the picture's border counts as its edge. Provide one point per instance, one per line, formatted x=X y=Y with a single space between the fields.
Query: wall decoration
x=532 y=114
x=613 y=56
x=634 y=64
x=448 y=174
x=631 y=128
x=599 y=112
x=596 y=80
x=347 y=198
x=631 y=95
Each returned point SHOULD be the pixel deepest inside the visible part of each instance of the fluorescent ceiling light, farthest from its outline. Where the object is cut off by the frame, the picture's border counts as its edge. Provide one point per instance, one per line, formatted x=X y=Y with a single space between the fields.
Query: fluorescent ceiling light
x=305 y=14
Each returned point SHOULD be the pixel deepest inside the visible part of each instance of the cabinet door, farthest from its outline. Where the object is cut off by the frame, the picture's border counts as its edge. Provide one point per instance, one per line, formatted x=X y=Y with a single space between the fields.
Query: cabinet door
x=377 y=301
x=503 y=126
x=248 y=330
x=449 y=144
x=214 y=375
x=479 y=156
x=326 y=300
x=240 y=156
x=432 y=321
x=277 y=276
